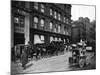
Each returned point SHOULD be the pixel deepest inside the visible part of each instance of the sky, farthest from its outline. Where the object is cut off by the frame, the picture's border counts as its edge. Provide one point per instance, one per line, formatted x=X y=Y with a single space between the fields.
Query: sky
x=83 y=11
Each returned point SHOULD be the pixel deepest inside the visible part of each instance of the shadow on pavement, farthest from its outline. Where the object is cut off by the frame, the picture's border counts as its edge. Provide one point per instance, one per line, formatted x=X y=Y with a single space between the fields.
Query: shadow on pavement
x=29 y=65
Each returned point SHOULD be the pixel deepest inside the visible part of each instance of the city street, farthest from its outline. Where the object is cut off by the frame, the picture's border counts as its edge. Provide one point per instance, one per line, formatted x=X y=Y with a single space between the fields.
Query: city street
x=55 y=63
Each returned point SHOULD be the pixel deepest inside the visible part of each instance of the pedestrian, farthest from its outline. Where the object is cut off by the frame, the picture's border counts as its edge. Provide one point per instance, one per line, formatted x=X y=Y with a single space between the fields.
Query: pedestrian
x=24 y=59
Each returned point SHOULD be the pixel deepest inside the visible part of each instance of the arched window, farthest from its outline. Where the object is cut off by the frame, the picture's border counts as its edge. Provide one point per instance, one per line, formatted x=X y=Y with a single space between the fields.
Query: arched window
x=19 y=21
x=35 y=22
x=36 y=19
x=42 y=22
x=16 y=20
x=64 y=19
x=64 y=30
x=36 y=5
x=55 y=28
x=51 y=11
x=51 y=39
x=55 y=38
x=42 y=8
x=59 y=16
x=22 y=21
x=55 y=14
x=67 y=21
x=59 y=27
x=59 y=39
x=51 y=24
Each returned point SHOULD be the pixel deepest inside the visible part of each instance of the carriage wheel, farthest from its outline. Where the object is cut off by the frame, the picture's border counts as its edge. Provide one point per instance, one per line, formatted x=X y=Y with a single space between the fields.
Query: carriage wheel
x=81 y=63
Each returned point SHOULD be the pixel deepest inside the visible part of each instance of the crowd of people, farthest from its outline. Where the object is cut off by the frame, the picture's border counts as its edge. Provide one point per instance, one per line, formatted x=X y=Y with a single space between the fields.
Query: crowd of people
x=41 y=51
x=38 y=51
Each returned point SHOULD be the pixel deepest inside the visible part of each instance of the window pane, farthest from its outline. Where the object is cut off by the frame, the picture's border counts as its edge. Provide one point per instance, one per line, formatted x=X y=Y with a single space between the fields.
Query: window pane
x=59 y=16
x=64 y=19
x=16 y=20
x=42 y=8
x=51 y=12
x=55 y=28
x=67 y=21
x=38 y=39
x=59 y=39
x=36 y=5
x=59 y=29
x=55 y=38
x=51 y=39
x=42 y=22
x=21 y=21
x=51 y=25
x=42 y=38
x=55 y=14
x=36 y=19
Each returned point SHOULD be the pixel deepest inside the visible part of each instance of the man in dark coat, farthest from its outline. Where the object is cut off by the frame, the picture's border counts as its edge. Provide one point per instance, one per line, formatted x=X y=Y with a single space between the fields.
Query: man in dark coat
x=24 y=58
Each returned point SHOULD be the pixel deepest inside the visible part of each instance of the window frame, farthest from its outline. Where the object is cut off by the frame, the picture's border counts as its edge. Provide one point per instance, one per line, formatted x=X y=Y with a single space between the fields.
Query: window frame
x=42 y=19
x=36 y=5
x=55 y=14
x=19 y=17
x=51 y=12
x=59 y=29
x=59 y=16
x=35 y=24
x=51 y=25
x=42 y=8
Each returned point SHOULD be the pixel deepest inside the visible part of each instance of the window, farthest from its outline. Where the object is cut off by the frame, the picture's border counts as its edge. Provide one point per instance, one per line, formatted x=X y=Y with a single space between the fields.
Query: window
x=35 y=22
x=42 y=38
x=42 y=8
x=64 y=19
x=21 y=4
x=51 y=11
x=67 y=33
x=55 y=14
x=59 y=39
x=55 y=28
x=19 y=21
x=51 y=24
x=36 y=5
x=59 y=16
x=64 y=30
x=55 y=38
x=59 y=26
x=42 y=22
x=38 y=38
x=36 y=19
x=64 y=41
x=51 y=39
x=67 y=21
x=16 y=20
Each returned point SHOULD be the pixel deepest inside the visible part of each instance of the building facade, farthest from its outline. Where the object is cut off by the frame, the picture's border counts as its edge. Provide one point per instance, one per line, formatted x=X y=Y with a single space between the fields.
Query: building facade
x=40 y=22
x=78 y=31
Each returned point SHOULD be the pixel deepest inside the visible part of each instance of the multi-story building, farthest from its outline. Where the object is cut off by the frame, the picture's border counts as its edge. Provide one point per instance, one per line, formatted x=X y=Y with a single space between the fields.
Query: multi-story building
x=40 y=22
x=78 y=32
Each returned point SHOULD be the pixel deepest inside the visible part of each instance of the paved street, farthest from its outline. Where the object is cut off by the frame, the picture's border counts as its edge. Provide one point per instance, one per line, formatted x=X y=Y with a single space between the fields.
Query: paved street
x=55 y=63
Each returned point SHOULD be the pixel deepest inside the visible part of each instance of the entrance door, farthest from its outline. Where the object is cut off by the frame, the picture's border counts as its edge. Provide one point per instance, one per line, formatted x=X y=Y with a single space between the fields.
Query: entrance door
x=19 y=38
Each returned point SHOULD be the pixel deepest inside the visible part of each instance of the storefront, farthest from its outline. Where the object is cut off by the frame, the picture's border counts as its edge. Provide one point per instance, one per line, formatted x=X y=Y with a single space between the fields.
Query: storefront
x=40 y=36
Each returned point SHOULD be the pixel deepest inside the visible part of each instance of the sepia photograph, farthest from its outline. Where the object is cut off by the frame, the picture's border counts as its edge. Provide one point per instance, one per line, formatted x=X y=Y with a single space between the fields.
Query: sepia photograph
x=52 y=37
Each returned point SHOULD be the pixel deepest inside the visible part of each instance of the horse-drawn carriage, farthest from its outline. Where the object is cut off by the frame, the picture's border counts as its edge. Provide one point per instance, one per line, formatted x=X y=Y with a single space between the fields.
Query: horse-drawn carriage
x=78 y=57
